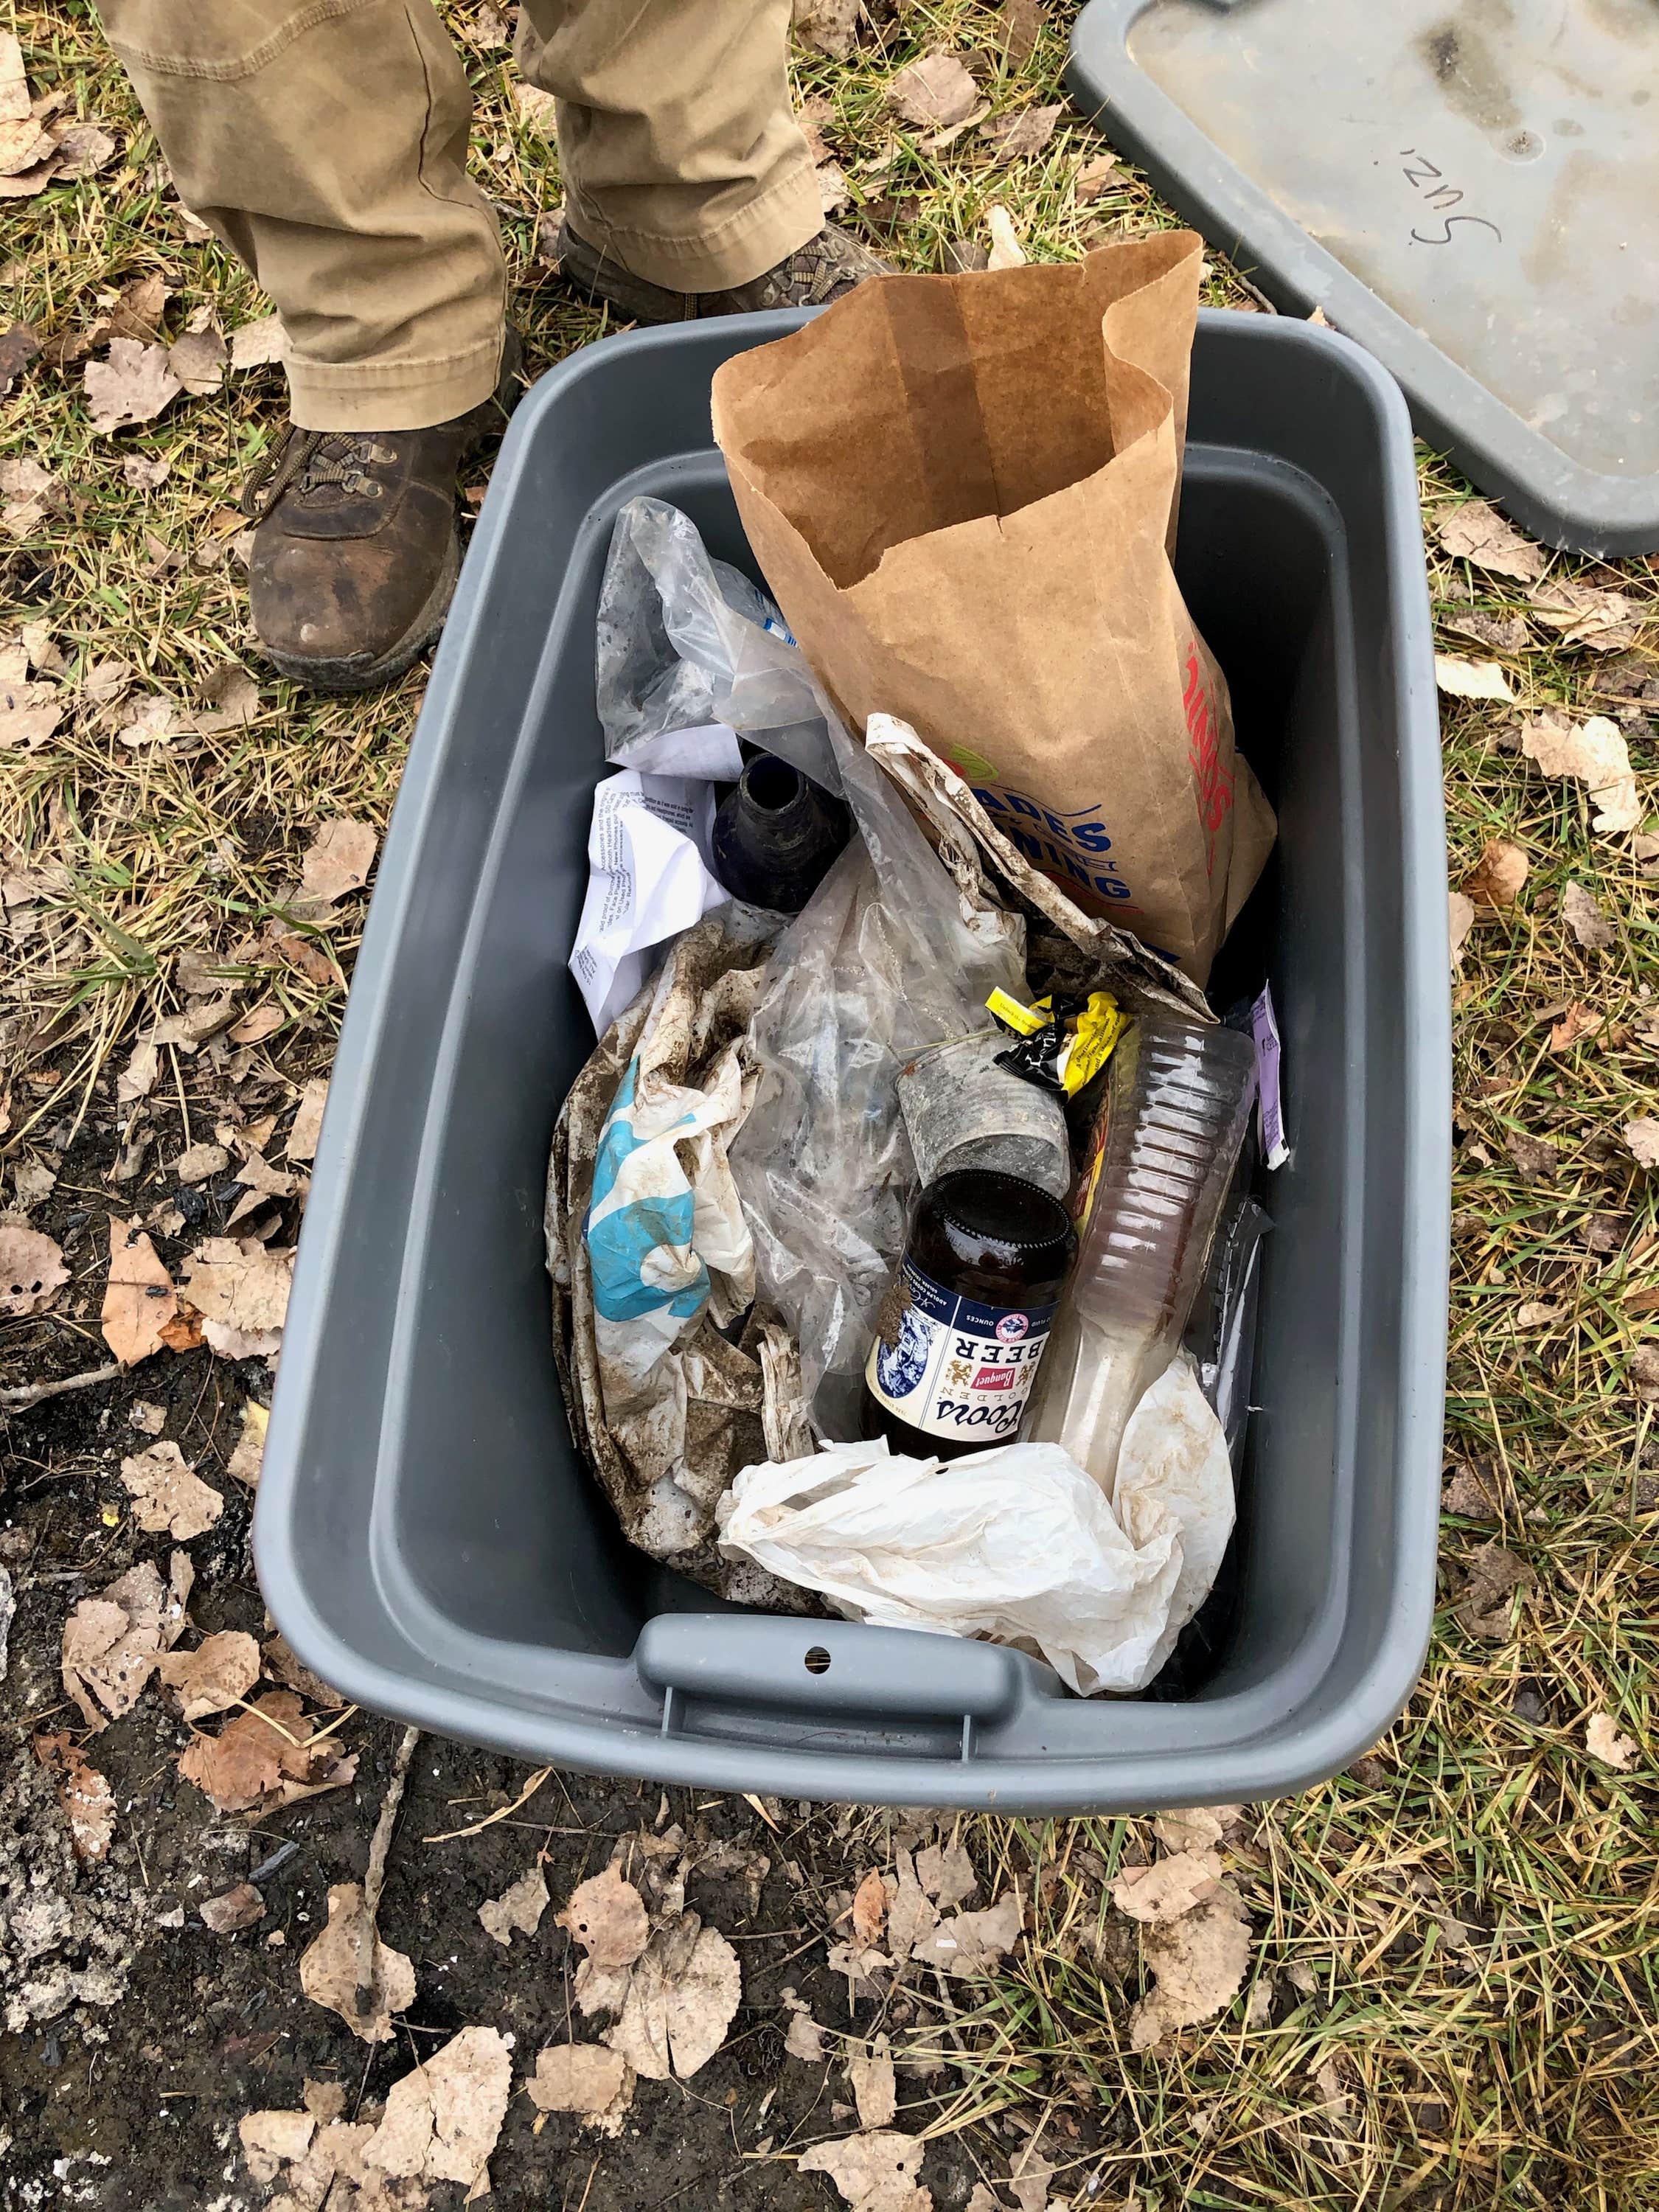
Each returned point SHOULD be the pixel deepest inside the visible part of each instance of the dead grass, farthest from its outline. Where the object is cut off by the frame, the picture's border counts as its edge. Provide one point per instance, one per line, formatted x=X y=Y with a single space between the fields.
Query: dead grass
x=1461 y=1933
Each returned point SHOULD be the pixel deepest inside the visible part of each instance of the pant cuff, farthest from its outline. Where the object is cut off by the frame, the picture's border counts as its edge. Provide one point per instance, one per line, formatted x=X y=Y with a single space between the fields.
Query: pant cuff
x=713 y=258
x=392 y=395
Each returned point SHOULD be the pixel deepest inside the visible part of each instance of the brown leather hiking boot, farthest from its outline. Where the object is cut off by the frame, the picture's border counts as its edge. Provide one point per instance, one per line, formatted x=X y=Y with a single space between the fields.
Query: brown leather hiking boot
x=356 y=552
x=813 y=276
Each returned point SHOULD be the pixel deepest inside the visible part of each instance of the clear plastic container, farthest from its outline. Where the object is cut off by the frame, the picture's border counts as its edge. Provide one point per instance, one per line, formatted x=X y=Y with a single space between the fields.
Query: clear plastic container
x=1178 y=1104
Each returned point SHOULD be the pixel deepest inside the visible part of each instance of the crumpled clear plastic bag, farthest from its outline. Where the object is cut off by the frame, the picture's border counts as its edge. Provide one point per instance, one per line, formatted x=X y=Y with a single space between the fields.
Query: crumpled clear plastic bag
x=892 y=955
x=1018 y=1544
x=684 y=640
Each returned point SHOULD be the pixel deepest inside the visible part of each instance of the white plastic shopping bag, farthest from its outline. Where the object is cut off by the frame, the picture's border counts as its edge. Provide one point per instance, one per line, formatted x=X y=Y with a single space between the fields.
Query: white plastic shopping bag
x=1018 y=1544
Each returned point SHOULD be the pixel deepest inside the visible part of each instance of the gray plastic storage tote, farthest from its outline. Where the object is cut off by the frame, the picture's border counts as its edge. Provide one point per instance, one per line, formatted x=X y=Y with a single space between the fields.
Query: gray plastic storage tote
x=428 y=1538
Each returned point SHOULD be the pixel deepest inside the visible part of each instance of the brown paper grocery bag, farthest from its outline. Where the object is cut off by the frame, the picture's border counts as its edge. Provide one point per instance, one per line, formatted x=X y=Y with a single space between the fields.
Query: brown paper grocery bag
x=963 y=492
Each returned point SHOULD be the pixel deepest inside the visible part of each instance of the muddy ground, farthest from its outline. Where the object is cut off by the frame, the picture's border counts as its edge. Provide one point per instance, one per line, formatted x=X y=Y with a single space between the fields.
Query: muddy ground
x=130 y=2104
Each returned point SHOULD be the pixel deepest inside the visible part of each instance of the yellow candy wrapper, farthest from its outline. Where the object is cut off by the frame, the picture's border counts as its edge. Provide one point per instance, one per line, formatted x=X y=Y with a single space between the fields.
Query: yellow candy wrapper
x=1062 y=1043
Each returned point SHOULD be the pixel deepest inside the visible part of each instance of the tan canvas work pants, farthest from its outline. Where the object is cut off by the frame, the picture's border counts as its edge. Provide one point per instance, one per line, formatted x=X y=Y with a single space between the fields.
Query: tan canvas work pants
x=324 y=142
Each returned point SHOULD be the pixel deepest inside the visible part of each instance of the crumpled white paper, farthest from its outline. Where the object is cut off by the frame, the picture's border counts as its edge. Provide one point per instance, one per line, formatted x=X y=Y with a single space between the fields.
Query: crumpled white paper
x=1019 y=1544
x=648 y=878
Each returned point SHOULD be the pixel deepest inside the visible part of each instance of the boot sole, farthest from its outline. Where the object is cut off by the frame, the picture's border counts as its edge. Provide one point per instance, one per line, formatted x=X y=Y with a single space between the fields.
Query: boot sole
x=335 y=677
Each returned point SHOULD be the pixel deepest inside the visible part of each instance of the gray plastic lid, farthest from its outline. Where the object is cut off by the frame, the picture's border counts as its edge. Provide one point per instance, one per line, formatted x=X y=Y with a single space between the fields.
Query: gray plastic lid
x=1469 y=187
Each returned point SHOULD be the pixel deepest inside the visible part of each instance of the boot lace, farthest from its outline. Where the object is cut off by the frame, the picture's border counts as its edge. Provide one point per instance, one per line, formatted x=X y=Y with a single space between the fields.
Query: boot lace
x=310 y=461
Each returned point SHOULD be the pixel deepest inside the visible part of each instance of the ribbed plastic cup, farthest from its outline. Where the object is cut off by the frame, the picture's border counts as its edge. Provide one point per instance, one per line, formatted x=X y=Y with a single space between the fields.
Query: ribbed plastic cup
x=1179 y=1102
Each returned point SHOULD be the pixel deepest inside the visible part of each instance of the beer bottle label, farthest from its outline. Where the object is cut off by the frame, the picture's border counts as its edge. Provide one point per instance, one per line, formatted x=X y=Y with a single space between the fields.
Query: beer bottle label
x=953 y=1366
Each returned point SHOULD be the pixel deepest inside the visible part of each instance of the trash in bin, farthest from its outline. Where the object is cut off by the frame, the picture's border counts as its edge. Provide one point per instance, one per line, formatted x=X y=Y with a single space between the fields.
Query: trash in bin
x=807 y=1191
x=429 y=1534
x=811 y=1117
